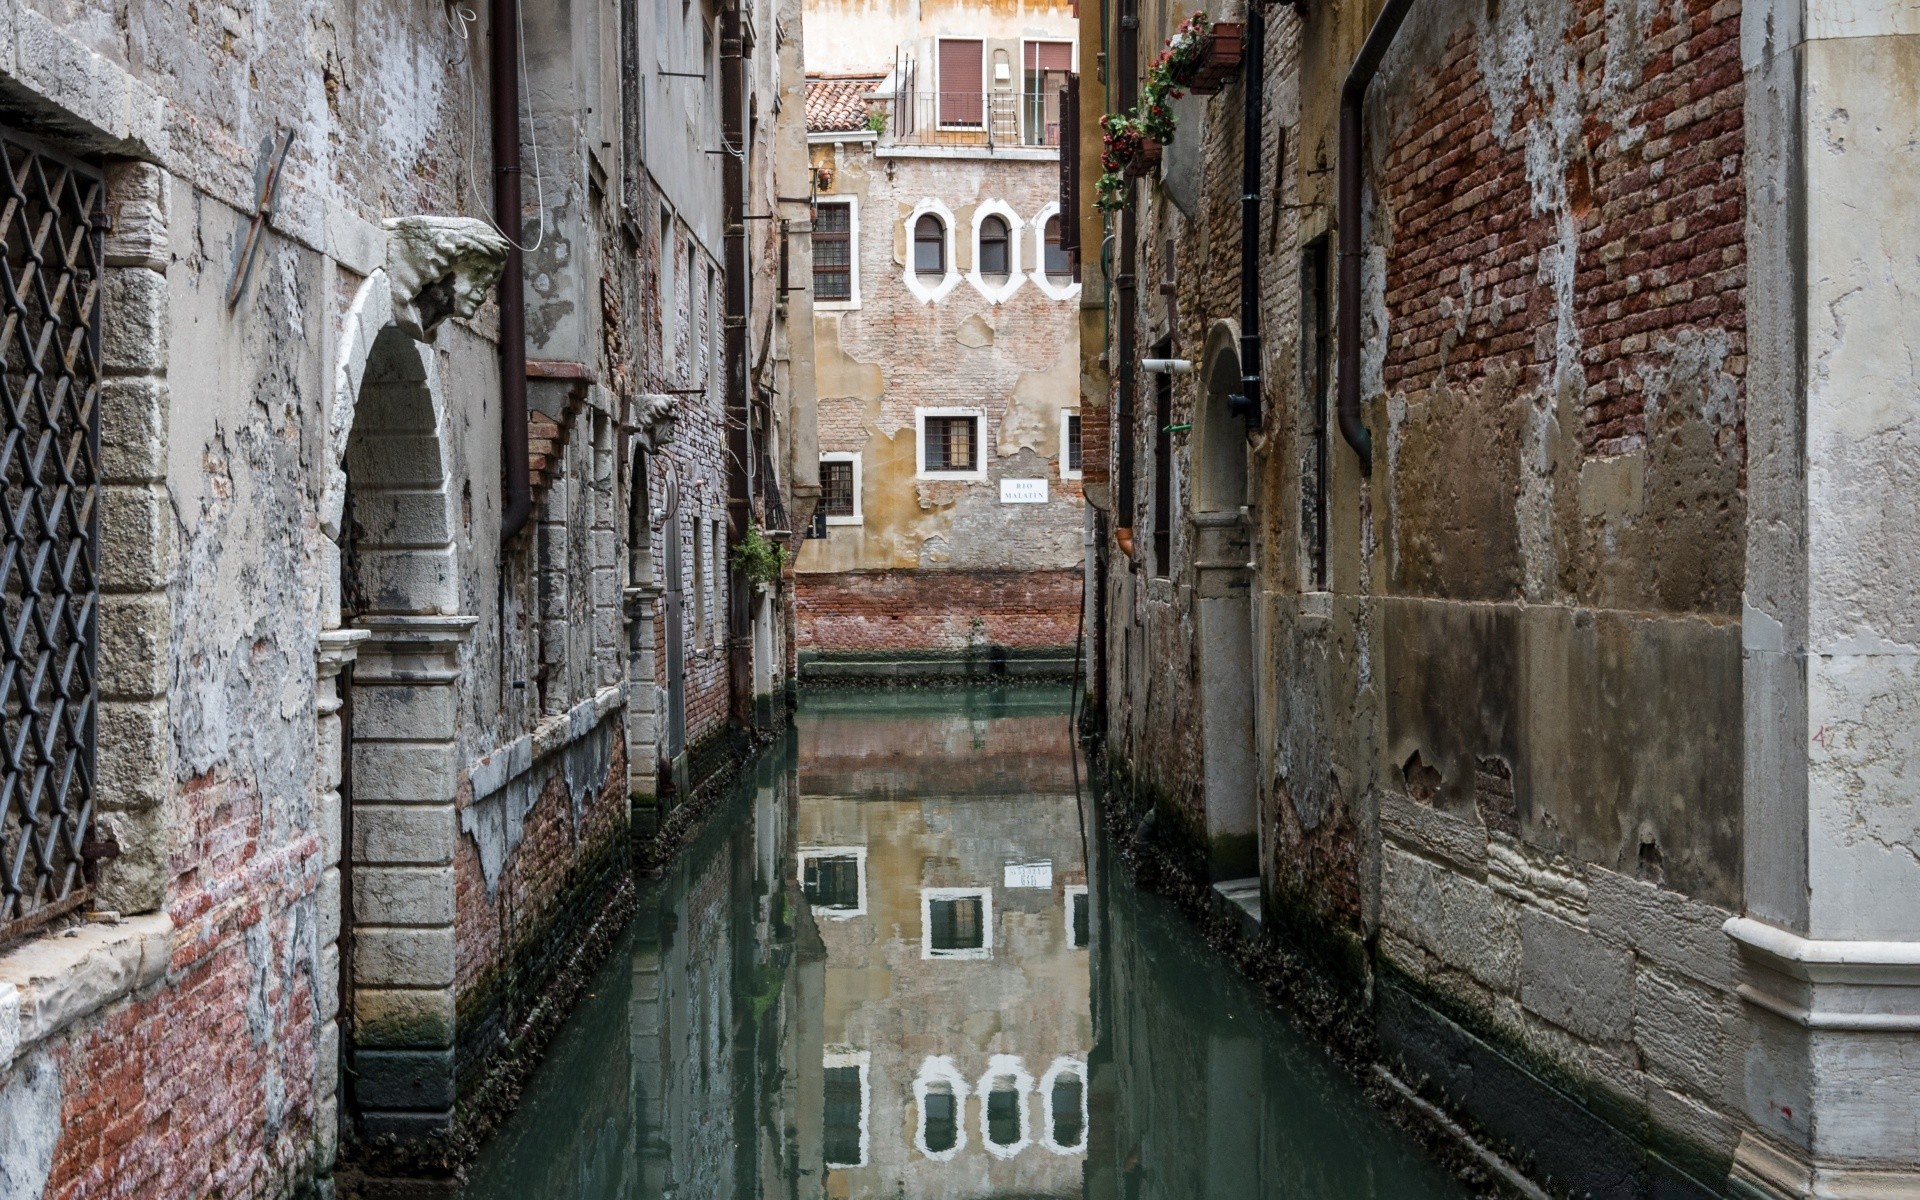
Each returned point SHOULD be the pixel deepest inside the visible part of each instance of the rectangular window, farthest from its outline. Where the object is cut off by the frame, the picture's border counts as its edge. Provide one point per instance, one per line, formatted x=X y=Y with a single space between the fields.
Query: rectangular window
x=833 y=879
x=1163 y=470
x=719 y=543
x=952 y=443
x=1069 y=445
x=963 y=83
x=833 y=251
x=1079 y=917
x=699 y=581
x=956 y=923
x=844 y=1124
x=840 y=488
x=53 y=243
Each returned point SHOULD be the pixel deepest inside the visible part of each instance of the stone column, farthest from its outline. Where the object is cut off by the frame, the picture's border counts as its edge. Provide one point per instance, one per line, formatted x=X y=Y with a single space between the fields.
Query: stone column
x=337 y=648
x=405 y=706
x=643 y=704
x=1830 y=941
x=1223 y=623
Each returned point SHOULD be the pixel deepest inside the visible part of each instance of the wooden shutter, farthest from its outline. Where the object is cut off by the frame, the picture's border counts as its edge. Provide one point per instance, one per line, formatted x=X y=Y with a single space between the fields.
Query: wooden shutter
x=1070 y=174
x=963 y=82
x=1050 y=56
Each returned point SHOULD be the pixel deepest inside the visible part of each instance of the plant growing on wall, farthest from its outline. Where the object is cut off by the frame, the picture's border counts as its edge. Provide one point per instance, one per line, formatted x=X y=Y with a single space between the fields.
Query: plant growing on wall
x=1132 y=140
x=758 y=557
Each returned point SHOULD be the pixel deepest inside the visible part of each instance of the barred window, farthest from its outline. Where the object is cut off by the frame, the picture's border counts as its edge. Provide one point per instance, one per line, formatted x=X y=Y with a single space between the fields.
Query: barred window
x=836 y=488
x=841 y=1124
x=832 y=882
x=833 y=251
x=51 y=234
x=1072 y=447
x=952 y=443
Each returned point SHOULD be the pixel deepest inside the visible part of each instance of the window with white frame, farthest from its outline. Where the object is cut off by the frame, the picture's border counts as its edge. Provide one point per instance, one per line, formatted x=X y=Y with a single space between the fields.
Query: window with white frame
x=840 y=487
x=1053 y=254
x=834 y=880
x=844 y=1127
x=962 y=83
x=956 y=923
x=1069 y=443
x=1003 y=1093
x=930 y=246
x=1063 y=1090
x=950 y=443
x=1079 y=916
x=995 y=251
x=836 y=261
x=940 y=1095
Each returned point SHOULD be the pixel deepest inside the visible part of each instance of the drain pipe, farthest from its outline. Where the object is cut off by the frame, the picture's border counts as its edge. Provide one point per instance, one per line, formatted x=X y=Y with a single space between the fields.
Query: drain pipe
x=1353 y=104
x=733 y=185
x=517 y=504
x=1126 y=93
x=1253 y=85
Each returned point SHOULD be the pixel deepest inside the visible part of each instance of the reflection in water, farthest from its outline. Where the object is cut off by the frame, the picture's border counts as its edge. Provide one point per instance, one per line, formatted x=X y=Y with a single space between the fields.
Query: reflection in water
x=887 y=971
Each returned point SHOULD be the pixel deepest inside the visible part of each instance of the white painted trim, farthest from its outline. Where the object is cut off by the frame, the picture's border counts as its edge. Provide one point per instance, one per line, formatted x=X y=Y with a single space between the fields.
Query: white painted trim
x=920 y=470
x=919 y=287
x=1048 y=287
x=853 y=255
x=998 y=293
x=1063 y=1066
x=929 y=895
x=859 y=855
x=1006 y=1066
x=853 y=457
x=1067 y=472
x=855 y=1058
x=939 y=1068
x=1066 y=909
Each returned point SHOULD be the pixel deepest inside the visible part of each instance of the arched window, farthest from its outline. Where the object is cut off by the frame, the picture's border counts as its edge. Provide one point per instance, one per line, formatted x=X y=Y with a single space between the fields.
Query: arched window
x=929 y=245
x=1056 y=265
x=940 y=1117
x=995 y=249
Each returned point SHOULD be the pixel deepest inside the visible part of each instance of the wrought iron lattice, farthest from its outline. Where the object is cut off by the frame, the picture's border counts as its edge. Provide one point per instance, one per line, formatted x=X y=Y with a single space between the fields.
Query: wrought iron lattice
x=52 y=233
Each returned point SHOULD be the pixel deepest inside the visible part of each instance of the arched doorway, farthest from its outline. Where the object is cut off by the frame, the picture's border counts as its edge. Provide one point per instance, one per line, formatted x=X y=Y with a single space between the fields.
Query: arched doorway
x=1223 y=612
x=392 y=634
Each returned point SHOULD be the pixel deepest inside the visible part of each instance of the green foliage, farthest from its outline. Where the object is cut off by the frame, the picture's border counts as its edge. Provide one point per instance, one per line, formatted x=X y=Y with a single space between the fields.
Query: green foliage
x=877 y=120
x=758 y=557
x=1127 y=136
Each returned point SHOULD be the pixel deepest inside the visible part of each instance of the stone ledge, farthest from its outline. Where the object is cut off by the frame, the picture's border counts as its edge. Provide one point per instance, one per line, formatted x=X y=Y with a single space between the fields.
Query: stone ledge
x=56 y=980
x=1829 y=984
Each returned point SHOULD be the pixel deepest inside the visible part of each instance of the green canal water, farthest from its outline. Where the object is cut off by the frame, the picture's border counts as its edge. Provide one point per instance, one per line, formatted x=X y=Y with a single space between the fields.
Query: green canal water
x=897 y=966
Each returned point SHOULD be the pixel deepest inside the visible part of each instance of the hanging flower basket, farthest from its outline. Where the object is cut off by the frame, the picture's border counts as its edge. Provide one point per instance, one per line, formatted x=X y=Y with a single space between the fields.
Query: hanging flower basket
x=1220 y=61
x=1146 y=159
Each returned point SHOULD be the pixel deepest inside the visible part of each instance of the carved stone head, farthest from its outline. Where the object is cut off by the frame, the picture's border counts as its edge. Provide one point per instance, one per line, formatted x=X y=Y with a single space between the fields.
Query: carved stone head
x=440 y=267
x=654 y=418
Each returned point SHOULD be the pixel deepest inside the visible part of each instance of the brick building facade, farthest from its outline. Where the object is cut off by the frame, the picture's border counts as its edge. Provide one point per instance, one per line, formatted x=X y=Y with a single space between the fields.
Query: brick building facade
x=1518 y=679
x=948 y=364
x=340 y=732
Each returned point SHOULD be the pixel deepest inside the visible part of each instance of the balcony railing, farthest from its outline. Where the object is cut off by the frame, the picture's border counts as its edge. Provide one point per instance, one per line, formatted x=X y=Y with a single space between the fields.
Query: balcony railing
x=983 y=120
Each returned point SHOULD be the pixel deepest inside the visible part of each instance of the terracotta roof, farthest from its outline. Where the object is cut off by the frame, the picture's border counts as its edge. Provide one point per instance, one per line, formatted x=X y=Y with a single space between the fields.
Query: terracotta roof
x=837 y=103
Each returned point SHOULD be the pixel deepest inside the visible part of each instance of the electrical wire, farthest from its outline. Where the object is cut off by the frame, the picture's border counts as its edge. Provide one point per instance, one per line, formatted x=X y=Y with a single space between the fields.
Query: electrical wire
x=460 y=18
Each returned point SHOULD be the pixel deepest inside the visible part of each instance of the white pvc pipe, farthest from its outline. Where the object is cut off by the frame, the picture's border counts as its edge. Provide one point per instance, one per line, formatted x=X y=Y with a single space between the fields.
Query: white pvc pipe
x=1167 y=366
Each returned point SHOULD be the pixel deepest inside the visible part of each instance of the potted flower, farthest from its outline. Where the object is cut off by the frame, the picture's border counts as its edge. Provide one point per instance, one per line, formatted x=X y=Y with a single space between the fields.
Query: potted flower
x=1219 y=59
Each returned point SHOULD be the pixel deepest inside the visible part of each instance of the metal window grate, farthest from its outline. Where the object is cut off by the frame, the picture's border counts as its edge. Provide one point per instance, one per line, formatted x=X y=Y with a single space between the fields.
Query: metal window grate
x=1073 y=441
x=836 y=489
x=950 y=443
x=52 y=227
x=833 y=252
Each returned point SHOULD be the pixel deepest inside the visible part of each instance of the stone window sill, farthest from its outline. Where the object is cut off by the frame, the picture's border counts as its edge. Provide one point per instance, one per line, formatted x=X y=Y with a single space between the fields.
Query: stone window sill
x=53 y=981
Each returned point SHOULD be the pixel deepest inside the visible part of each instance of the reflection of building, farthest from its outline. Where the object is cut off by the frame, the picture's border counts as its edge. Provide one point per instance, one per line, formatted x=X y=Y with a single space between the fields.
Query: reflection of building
x=945 y=314
x=948 y=887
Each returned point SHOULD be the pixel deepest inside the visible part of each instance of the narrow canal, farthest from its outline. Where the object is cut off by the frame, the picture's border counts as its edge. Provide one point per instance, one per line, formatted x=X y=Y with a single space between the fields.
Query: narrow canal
x=898 y=967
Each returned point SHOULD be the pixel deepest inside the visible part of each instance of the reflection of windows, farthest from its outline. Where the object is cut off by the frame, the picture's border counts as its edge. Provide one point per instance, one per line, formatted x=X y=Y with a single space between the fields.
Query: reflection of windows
x=1064 y=1091
x=845 y=1122
x=840 y=488
x=956 y=923
x=1079 y=917
x=995 y=240
x=929 y=245
x=949 y=443
x=1003 y=1113
x=940 y=1114
x=833 y=265
x=1003 y=1106
x=833 y=879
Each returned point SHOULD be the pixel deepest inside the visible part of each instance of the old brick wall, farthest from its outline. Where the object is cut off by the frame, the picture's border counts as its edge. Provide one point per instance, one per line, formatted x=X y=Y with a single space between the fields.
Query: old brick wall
x=937 y=610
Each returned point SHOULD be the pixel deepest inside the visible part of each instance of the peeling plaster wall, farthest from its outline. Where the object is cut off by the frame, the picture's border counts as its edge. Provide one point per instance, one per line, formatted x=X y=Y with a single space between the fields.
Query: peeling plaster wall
x=876 y=364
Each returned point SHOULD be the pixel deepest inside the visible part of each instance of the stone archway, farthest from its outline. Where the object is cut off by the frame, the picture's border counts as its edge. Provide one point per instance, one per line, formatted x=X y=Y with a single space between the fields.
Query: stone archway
x=392 y=629
x=1223 y=605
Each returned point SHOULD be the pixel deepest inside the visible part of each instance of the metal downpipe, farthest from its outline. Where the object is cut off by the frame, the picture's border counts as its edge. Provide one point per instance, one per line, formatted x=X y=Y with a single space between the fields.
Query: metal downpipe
x=517 y=504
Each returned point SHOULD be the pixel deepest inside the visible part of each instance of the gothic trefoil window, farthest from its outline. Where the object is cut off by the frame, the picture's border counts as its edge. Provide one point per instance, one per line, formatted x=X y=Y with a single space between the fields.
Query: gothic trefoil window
x=52 y=224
